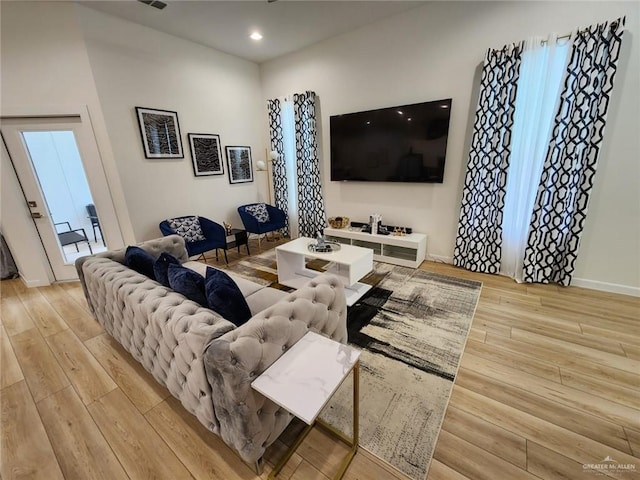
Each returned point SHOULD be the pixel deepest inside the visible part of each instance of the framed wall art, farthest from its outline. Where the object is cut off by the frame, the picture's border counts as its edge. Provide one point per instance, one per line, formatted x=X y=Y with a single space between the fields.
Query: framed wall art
x=160 y=133
x=206 y=154
x=239 y=164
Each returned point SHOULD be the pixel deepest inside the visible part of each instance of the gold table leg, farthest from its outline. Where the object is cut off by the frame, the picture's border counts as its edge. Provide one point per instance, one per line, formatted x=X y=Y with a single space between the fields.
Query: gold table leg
x=351 y=442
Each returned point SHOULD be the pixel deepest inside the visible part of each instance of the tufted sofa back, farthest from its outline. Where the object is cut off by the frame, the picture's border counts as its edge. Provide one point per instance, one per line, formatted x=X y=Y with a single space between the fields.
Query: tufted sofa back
x=172 y=244
x=161 y=329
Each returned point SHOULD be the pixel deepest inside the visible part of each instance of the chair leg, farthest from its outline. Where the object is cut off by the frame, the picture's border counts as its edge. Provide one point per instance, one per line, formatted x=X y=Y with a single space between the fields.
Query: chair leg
x=225 y=256
x=274 y=236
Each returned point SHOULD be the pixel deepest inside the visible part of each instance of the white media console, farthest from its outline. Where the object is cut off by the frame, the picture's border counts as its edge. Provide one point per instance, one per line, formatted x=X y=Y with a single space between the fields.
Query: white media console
x=408 y=251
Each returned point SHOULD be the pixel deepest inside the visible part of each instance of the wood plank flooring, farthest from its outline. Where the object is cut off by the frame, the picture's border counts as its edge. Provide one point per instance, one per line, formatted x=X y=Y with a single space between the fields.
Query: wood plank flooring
x=549 y=381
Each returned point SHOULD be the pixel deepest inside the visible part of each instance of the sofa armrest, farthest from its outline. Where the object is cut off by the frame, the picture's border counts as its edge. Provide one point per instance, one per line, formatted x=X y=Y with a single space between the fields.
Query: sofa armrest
x=249 y=422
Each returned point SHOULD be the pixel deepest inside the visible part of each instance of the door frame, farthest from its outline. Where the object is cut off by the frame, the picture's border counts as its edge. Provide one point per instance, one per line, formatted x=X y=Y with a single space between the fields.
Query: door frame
x=103 y=180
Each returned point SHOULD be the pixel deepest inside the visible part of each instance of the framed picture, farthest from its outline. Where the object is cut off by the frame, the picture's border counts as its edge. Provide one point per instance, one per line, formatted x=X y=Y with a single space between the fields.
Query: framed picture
x=160 y=133
x=206 y=154
x=239 y=164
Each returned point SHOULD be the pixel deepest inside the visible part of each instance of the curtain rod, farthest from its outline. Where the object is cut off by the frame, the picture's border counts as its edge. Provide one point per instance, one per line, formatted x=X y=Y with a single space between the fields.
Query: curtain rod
x=568 y=35
x=560 y=37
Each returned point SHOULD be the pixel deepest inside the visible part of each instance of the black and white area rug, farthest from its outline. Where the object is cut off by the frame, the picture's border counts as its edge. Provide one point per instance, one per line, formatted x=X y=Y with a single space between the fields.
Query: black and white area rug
x=412 y=327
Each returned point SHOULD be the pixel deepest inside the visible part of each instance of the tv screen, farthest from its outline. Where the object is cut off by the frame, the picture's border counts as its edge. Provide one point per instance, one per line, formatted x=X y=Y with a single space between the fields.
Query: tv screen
x=397 y=144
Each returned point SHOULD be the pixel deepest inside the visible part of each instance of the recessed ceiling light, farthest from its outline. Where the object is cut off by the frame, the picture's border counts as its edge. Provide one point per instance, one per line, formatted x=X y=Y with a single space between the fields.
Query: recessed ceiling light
x=255 y=36
x=400 y=112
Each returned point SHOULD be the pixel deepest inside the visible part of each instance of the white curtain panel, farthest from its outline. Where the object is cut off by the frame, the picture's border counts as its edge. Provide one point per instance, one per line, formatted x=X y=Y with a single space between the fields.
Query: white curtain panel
x=289 y=129
x=562 y=199
x=544 y=63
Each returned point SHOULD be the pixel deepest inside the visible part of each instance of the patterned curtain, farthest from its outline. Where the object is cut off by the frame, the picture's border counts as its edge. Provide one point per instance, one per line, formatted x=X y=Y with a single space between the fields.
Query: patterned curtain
x=479 y=238
x=570 y=165
x=311 y=214
x=278 y=170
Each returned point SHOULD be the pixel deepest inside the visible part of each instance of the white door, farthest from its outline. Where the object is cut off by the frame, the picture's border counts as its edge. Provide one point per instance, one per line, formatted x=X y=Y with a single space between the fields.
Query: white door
x=58 y=165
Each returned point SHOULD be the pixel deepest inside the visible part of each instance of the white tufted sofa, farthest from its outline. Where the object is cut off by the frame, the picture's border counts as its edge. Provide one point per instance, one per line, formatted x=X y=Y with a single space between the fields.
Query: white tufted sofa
x=202 y=359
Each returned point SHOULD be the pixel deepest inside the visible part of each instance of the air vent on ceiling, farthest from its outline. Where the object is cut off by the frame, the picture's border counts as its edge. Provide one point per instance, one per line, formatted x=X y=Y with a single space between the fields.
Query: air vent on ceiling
x=154 y=3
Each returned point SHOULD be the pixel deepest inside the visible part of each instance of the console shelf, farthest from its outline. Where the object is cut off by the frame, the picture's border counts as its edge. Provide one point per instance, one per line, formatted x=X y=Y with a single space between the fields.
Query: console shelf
x=408 y=251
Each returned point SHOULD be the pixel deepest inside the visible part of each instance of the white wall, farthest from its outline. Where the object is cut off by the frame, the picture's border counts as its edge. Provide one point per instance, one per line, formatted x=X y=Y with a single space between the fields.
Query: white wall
x=47 y=64
x=212 y=92
x=45 y=69
x=436 y=51
x=428 y=53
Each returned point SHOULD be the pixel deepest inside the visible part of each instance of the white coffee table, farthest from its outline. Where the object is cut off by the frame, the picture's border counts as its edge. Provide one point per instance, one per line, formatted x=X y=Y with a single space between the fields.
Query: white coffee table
x=304 y=379
x=350 y=264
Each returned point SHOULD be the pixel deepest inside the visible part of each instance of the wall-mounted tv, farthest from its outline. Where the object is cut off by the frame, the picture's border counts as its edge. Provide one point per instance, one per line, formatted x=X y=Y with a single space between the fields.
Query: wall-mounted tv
x=407 y=143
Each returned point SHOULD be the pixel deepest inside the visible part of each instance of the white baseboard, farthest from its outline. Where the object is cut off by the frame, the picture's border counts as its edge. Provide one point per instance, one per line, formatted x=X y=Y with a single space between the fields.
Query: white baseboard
x=606 y=287
x=440 y=258
x=35 y=283
x=576 y=282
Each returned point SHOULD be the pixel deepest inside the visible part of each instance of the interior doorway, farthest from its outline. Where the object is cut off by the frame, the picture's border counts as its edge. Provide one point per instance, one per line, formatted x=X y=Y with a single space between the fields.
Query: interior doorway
x=57 y=164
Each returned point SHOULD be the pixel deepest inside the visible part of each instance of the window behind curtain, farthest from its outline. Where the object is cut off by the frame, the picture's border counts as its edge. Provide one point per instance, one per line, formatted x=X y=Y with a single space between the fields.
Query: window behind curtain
x=541 y=75
x=289 y=138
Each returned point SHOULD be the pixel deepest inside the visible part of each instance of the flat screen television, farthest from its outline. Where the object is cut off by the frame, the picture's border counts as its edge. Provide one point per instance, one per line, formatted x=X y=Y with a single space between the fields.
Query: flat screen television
x=407 y=143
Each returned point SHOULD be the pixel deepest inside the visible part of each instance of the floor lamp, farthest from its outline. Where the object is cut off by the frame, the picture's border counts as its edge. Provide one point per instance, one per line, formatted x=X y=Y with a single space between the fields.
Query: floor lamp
x=263 y=166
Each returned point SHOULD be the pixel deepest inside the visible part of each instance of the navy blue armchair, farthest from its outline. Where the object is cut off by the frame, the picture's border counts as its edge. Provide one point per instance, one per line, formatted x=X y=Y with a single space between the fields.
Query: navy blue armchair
x=214 y=233
x=277 y=220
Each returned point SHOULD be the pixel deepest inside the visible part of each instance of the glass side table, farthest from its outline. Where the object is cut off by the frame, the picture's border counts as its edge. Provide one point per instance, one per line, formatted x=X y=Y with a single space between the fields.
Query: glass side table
x=304 y=379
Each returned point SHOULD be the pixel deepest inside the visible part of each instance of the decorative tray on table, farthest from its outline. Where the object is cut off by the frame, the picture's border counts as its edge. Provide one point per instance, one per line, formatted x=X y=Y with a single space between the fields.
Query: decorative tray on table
x=323 y=247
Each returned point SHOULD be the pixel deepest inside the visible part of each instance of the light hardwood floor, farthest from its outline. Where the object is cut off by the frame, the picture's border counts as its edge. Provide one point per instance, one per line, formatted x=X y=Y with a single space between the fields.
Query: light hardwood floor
x=549 y=381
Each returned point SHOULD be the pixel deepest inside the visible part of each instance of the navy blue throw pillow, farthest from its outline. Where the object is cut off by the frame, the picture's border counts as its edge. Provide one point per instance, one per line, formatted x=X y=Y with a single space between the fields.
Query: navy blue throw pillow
x=161 y=267
x=188 y=283
x=140 y=260
x=225 y=298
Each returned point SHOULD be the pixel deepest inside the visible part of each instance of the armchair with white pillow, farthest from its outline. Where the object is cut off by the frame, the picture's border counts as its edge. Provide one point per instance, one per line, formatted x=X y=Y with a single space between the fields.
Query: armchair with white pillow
x=262 y=218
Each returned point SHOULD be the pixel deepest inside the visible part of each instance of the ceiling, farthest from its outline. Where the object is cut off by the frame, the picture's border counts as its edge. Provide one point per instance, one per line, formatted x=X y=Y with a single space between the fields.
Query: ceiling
x=286 y=25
